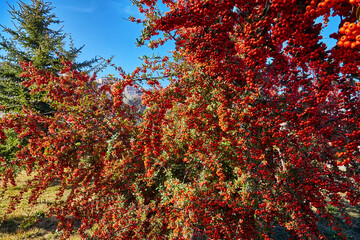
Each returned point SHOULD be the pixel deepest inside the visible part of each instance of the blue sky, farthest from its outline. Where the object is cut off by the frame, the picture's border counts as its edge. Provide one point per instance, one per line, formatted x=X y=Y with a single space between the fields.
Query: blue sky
x=101 y=27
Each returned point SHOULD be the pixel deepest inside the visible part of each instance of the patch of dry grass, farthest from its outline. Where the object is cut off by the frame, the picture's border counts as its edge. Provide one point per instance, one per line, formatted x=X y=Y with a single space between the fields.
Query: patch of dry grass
x=29 y=222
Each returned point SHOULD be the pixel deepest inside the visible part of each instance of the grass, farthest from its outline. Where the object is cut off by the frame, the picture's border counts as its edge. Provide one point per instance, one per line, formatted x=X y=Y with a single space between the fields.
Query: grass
x=31 y=222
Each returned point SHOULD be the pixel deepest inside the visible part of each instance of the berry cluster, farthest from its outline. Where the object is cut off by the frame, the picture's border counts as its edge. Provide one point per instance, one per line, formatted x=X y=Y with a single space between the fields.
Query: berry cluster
x=351 y=35
x=324 y=6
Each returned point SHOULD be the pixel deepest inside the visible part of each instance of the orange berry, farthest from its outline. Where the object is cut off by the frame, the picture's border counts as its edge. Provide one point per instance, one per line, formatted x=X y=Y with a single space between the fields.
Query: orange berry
x=342 y=30
x=340 y=43
x=343 y=38
x=346 y=24
x=352 y=26
x=353 y=45
x=357 y=38
x=347 y=44
x=358 y=25
x=352 y=1
x=348 y=32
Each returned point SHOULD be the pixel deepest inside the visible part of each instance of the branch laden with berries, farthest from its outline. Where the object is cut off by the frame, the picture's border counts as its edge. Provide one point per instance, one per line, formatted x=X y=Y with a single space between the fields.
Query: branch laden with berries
x=350 y=31
x=257 y=129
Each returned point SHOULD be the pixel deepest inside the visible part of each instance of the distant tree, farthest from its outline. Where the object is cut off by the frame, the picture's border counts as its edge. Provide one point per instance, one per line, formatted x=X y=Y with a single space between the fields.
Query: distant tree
x=32 y=40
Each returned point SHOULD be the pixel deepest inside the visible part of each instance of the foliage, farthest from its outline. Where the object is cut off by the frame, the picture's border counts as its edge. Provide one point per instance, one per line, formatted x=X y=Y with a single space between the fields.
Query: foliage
x=257 y=130
x=33 y=39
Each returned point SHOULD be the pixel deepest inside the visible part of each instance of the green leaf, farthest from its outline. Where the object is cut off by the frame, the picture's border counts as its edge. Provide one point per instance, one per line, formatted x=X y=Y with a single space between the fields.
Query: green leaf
x=266 y=10
x=111 y=144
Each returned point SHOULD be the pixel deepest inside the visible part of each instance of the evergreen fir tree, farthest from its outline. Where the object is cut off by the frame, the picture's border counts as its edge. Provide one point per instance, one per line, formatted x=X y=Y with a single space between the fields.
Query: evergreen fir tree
x=35 y=40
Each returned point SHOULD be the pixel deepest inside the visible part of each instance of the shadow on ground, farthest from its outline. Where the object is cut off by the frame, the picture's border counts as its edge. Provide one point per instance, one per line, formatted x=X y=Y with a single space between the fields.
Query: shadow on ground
x=13 y=225
x=24 y=223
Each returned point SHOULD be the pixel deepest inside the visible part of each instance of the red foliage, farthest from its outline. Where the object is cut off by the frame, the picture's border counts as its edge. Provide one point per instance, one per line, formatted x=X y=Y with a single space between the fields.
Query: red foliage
x=251 y=132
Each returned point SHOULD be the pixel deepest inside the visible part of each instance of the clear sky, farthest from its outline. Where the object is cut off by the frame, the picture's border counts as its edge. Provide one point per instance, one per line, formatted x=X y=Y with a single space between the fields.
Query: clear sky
x=101 y=27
